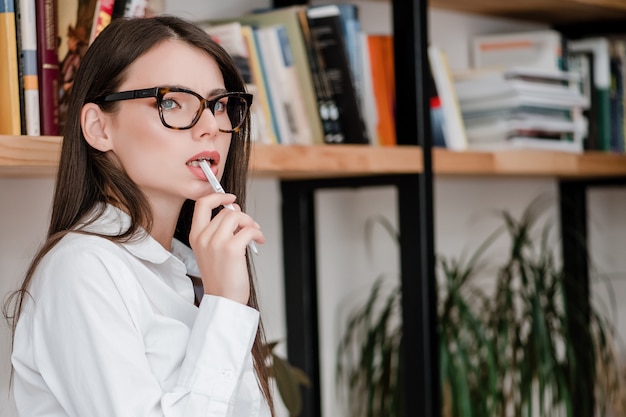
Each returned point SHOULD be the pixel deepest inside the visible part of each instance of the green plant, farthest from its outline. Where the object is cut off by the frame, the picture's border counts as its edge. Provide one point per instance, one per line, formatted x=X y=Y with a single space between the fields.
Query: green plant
x=289 y=380
x=507 y=354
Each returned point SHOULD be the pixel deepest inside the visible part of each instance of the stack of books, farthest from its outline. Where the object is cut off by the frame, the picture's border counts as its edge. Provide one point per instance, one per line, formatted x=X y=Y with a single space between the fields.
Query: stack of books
x=522 y=108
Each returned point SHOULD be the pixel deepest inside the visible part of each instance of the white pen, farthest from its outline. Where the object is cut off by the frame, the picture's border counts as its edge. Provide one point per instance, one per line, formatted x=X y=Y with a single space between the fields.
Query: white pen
x=210 y=176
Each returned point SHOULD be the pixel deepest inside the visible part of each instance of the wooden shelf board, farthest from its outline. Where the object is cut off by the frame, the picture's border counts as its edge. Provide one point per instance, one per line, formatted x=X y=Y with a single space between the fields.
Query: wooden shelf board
x=553 y=11
x=29 y=156
x=296 y=162
x=26 y=156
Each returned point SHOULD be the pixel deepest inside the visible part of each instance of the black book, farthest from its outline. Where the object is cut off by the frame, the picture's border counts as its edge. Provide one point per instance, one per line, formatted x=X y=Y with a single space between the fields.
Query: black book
x=325 y=28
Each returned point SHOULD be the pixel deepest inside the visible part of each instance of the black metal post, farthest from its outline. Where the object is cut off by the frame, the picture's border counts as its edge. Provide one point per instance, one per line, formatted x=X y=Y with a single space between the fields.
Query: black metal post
x=573 y=210
x=419 y=298
x=299 y=256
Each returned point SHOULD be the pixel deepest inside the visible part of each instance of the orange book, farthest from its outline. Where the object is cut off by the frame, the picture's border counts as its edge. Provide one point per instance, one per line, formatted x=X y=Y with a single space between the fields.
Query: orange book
x=10 y=113
x=383 y=83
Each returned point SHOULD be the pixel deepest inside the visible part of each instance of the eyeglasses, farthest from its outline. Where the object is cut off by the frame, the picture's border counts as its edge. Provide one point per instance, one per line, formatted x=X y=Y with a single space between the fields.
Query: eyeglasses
x=180 y=109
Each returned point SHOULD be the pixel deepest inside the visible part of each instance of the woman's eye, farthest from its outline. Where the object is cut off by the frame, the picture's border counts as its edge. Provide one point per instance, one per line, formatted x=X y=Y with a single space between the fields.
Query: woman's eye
x=169 y=104
x=220 y=106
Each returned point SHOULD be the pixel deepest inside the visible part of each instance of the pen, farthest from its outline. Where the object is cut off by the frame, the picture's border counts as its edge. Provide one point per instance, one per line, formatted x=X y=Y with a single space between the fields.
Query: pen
x=210 y=176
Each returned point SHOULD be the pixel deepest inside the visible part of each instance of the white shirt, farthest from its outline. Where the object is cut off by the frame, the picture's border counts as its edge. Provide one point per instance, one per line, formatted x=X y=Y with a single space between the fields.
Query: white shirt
x=111 y=330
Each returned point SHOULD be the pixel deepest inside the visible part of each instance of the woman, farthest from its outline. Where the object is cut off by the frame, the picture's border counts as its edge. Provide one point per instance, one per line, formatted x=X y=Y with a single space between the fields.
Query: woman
x=105 y=321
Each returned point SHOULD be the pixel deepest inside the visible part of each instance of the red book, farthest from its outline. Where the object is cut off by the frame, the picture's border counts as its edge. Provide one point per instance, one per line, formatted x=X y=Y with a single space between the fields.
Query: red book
x=102 y=17
x=48 y=66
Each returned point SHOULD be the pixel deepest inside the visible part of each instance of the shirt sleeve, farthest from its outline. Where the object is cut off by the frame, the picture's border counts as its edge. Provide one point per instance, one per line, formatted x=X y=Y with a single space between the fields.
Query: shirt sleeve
x=90 y=351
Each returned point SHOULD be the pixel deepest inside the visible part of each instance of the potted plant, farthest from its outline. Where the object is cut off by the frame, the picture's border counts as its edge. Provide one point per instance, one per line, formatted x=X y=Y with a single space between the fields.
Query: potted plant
x=506 y=354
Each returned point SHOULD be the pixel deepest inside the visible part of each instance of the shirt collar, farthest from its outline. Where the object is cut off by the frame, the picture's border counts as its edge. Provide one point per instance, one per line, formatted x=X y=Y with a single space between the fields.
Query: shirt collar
x=112 y=221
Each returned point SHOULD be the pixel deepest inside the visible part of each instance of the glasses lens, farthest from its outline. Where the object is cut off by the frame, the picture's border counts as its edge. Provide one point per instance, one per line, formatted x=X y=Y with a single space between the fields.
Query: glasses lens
x=180 y=109
x=230 y=112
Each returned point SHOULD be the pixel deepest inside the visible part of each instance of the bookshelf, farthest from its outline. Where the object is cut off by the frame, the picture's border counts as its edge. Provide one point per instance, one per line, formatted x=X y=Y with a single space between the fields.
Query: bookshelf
x=552 y=11
x=23 y=156
x=302 y=170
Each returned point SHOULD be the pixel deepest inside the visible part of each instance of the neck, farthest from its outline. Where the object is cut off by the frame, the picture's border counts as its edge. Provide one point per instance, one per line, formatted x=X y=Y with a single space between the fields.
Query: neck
x=165 y=217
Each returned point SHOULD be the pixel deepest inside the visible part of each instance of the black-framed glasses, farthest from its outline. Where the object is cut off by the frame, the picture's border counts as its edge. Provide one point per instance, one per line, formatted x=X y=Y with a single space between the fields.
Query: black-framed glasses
x=180 y=108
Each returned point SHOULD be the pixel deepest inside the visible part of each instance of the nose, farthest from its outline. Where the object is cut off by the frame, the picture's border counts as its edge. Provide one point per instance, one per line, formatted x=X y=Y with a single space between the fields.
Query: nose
x=206 y=125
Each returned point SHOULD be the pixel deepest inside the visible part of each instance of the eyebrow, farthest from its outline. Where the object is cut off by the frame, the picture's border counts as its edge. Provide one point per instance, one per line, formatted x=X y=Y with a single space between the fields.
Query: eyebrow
x=217 y=91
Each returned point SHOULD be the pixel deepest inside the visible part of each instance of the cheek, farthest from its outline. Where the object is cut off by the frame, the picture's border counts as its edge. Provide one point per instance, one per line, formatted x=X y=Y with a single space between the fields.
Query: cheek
x=141 y=146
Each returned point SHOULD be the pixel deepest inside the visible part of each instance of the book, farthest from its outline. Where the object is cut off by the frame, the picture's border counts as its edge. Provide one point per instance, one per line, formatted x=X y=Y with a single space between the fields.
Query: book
x=326 y=33
x=523 y=142
x=553 y=88
x=262 y=93
x=237 y=40
x=582 y=64
x=10 y=116
x=20 y=65
x=598 y=48
x=289 y=18
x=367 y=97
x=351 y=31
x=270 y=51
x=536 y=48
x=102 y=17
x=134 y=8
x=74 y=30
x=453 y=125
x=47 y=66
x=28 y=55
x=616 y=96
x=328 y=111
x=380 y=51
x=618 y=54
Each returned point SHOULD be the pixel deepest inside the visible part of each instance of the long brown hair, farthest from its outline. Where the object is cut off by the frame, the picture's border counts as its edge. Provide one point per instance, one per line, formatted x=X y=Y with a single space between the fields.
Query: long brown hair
x=86 y=177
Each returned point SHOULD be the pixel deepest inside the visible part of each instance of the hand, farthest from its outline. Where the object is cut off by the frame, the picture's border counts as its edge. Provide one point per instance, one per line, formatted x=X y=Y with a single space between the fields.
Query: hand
x=219 y=245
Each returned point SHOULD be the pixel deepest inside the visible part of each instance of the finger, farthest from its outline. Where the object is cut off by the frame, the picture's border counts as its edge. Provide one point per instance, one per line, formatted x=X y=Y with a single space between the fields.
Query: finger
x=202 y=213
x=205 y=205
x=229 y=222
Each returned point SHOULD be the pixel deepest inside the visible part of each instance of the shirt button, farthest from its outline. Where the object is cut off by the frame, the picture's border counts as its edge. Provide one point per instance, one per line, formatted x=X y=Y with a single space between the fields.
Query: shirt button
x=227 y=374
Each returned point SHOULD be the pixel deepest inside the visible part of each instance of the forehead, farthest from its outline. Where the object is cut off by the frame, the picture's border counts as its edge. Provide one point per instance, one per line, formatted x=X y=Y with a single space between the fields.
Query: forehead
x=174 y=62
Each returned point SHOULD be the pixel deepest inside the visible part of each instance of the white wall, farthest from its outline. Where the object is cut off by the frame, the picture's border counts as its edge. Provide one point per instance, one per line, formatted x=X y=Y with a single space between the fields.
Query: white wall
x=346 y=269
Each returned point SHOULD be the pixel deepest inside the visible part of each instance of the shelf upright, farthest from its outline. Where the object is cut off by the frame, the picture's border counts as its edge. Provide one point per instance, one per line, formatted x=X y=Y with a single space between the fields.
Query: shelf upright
x=415 y=214
x=419 y=297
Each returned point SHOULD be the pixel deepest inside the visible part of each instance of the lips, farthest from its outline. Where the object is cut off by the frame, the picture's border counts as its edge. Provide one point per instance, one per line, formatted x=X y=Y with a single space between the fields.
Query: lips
x=212 y=157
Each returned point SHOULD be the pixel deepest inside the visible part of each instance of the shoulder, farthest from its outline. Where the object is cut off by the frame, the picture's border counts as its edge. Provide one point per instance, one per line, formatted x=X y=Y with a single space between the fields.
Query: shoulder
x=80 y=262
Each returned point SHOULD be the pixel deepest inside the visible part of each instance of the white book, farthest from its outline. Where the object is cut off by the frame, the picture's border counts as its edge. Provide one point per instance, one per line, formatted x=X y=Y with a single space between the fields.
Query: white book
x=367 y=98
x=28 y=32
x=510 y=101
x=453 y=126
x=554 y=85
x=537 y=48
x=286 y=98
x=528 y=143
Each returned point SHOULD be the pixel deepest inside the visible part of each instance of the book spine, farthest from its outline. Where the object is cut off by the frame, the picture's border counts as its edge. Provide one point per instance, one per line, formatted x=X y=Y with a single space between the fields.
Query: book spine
x=118 y=9
x=266 y=129
x=20 y=66
x=265 y=81
x=380 y=51
x=103 y=16
x=291 y=85
x=269 y=48
x=598 y=49
x=10 y=117
x=454 y=128
x=326 y=106
x=29 y=57
x=48 y=66
x=326 y=33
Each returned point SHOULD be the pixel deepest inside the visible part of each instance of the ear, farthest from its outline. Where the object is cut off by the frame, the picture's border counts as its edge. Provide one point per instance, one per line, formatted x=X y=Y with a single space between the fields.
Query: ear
x=93 y=122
